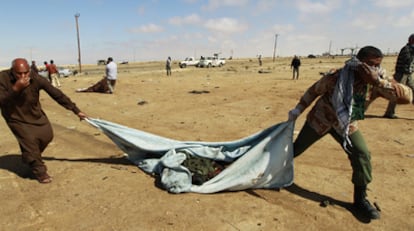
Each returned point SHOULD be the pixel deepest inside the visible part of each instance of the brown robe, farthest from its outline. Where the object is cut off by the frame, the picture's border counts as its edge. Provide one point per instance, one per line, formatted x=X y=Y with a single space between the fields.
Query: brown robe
x=23 y=114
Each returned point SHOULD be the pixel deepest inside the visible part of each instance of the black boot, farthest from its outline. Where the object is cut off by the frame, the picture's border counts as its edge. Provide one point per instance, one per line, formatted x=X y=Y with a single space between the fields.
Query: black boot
x=362 y=204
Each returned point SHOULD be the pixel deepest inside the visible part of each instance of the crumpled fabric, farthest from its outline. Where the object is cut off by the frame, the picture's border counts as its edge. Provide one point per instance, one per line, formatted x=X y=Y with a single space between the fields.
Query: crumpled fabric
x=261 y=160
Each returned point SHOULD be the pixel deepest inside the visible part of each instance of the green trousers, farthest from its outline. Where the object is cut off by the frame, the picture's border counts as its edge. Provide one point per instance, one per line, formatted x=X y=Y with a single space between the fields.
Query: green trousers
x=358 y=152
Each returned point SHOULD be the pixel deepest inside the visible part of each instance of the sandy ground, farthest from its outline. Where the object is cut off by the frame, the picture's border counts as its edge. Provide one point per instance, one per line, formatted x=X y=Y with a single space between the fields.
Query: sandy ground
x=95 y=188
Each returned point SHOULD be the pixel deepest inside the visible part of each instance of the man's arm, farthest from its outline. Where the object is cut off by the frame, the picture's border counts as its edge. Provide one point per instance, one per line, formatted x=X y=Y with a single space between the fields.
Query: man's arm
x=392 y=90
x=320 y=87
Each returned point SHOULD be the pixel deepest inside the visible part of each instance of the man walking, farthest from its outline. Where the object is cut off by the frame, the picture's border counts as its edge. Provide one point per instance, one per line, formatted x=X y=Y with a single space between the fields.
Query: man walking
x=168 y=66
x=53 y=73
x=295 y=64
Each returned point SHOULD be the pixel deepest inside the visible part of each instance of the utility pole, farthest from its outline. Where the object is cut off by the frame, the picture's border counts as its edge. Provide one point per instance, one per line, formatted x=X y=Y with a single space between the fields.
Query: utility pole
x=330 y=46
x=274 y=48
x=134 y=54
x=79 y=50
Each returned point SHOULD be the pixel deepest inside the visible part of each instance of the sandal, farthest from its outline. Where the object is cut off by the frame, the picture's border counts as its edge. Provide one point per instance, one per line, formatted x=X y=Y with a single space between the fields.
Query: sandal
x=44 y=178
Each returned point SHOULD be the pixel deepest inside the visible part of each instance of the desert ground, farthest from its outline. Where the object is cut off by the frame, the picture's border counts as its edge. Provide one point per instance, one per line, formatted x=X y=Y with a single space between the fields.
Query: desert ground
x=95 y=188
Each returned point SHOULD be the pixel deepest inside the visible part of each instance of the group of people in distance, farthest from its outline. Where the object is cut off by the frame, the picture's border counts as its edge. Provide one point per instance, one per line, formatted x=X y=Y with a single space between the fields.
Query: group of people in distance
x=340 y=97
x=52 y=72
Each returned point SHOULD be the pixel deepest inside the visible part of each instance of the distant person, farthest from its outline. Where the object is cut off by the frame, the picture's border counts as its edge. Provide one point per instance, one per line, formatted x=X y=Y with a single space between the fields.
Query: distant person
x=111 y=74
x=107 y=83
x=168 y=66
x=260 y=60
x=21 y=109
x=34 y=68
x=340 y=97
x=403 y=72
x=53 y=74
x=46 y=66
x=294 y=65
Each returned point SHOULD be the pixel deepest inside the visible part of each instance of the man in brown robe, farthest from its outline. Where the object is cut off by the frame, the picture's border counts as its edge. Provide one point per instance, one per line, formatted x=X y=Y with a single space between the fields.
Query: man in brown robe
x=21 y=109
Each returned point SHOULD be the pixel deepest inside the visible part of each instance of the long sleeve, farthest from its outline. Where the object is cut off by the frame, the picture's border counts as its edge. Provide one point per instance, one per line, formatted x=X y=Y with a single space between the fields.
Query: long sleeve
x=326 y=83
x=405 y=60
x=25 y=106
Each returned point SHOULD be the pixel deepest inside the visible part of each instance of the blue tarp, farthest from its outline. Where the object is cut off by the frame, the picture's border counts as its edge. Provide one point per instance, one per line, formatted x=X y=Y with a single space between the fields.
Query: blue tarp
x=261 y=160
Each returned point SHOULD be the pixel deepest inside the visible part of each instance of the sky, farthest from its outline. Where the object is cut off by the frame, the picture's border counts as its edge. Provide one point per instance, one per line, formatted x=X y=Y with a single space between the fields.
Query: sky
x=152 y=30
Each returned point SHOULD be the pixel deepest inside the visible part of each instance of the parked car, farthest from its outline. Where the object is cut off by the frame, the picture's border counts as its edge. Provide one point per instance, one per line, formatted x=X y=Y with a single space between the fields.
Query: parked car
x=101 y=62
x=205 y=62
x=44 y=73
x=189 y=61
x=218 y=62
x=63 y=72
x=212 y=62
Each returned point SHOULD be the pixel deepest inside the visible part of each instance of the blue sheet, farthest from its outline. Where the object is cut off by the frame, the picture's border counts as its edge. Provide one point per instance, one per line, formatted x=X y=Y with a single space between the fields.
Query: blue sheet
x=261 y=160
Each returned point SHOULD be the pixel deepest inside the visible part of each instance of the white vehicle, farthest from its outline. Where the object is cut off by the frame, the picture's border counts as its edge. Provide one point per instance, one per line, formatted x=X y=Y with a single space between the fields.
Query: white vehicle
x=205 y=62
x=189 y=61
x=211 y=62
x=218 y=62
x=63 y=72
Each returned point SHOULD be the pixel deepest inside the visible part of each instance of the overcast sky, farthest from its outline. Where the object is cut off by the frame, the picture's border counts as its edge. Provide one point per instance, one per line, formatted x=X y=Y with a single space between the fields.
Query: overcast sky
x=155 y=29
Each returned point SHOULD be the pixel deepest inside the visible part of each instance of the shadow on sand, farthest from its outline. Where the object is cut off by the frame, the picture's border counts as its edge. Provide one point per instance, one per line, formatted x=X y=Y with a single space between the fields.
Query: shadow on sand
x=13 y=163
x=325 y=201
x=367 y=116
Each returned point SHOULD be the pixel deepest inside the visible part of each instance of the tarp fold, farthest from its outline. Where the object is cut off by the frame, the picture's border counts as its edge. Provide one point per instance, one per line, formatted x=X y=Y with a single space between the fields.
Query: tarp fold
x=261 y=160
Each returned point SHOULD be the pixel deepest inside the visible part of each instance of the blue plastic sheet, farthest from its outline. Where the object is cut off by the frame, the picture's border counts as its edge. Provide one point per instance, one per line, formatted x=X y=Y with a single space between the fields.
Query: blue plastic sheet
x=261 y=160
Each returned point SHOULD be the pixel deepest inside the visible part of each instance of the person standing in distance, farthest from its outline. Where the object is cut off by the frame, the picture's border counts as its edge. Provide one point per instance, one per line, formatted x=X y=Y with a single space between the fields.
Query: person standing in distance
x=48 y=76
x=168 y=66
x=294 y=65
x=111 y=74
x=34 y=68
x=53 y=73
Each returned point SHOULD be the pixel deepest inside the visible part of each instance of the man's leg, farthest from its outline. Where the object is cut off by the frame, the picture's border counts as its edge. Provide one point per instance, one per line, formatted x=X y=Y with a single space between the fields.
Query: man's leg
x=360 y=158
x=390 y=111
x=111 y=85
x=32 y=144
x=410 y=83
x=307 y=136
x=57 y=80
x=297 y=73
x=371 y=98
